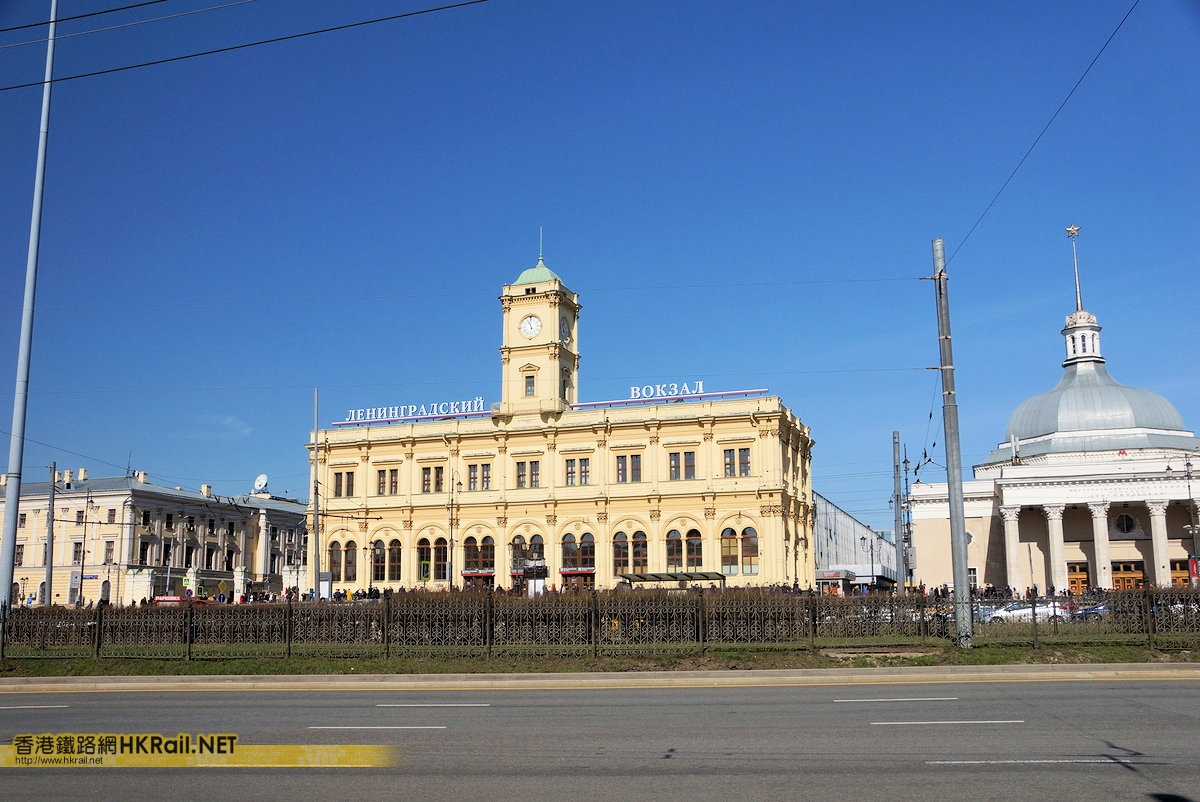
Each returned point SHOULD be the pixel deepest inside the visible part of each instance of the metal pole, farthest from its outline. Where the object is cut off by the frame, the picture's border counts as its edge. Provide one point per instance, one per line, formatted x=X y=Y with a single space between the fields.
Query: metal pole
x=16 y=449
x=897 y=503
x=958 y=529
x=48 y=599
x=314 y=560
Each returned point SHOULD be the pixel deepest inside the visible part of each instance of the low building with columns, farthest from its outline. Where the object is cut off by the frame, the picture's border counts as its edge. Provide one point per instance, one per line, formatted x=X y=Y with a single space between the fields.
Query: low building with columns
x=122 y=539
x=541 y=490
x=1092 y=488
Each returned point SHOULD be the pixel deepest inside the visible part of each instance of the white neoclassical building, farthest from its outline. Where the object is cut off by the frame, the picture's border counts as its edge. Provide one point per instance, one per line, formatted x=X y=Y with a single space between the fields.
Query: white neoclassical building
x=1092 y=487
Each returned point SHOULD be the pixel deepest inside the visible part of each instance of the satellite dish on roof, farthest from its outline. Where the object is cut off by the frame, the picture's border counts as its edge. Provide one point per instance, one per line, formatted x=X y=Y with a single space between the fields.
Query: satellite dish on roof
x=260 y=484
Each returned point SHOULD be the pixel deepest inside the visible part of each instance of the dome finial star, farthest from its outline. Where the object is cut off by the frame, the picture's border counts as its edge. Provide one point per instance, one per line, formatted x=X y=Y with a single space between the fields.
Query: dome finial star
x=1072 y=231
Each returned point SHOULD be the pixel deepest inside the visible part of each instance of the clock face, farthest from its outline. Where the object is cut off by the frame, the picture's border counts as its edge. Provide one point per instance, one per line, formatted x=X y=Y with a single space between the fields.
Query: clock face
x=564 y=331
x=530 y=326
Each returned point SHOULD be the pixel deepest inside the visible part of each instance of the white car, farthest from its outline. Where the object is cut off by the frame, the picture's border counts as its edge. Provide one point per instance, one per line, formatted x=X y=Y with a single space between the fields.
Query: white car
x=1047 y=610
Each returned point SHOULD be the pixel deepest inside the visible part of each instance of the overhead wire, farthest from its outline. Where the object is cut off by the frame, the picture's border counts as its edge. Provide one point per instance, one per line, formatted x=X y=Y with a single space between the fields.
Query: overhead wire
x=245 y=45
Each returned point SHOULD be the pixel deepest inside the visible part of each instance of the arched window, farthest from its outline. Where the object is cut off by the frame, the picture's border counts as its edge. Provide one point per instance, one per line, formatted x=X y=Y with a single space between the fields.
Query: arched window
x=394 y=552
x=470 y=554
x=729 y=552
x=378 y=561
x=441 y=567
x=695 y=550
x=487 y=555
x=350 y=560
x=537 y=548
x=335 y=562
x=519 y=554
x=620 y=553
x=749 y=551
x=424 y=560
x=674 y=551
x=570 y=552
x=587 y=551
x=641 y=552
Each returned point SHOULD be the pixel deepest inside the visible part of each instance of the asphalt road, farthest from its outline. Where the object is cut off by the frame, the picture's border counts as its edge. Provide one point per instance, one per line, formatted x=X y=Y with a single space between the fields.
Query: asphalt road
x=1012 y=740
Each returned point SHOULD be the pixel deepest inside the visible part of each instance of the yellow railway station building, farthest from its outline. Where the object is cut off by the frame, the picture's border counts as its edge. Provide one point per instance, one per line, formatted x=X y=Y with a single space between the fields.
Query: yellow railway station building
x=675 y=485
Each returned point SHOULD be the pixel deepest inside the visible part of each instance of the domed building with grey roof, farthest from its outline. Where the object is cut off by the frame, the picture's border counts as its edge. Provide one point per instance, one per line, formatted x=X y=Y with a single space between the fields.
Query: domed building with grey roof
x=1091 y=488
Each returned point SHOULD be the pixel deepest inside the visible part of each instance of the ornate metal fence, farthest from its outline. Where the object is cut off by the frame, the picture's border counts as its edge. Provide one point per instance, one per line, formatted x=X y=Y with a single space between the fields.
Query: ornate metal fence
x=586 y=623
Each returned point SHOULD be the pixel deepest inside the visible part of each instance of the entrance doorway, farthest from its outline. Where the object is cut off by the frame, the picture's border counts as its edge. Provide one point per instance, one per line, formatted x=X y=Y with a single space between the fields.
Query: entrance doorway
x=1129 y=576
x=1078 y=578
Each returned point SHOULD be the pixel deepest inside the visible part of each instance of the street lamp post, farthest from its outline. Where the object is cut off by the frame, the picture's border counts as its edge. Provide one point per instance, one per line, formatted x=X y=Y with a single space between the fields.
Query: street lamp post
x=1193 y=528
x=454 y=484
x=869 y=543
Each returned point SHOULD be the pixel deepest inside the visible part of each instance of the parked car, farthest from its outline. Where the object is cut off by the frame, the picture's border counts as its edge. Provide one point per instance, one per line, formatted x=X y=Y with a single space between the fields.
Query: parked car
x=1094 y=612
x=1047 y=610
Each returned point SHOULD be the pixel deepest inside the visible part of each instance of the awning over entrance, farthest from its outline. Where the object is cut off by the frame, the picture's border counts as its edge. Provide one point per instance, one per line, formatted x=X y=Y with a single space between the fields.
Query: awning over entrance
x=675 y=576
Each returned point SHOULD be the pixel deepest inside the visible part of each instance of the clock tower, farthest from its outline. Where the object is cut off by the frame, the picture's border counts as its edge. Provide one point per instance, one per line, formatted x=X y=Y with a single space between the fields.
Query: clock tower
x=539 y=357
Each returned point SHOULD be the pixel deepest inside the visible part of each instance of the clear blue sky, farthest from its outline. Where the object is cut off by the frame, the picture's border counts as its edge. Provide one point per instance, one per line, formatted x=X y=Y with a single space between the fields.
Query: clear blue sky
x=742 y=193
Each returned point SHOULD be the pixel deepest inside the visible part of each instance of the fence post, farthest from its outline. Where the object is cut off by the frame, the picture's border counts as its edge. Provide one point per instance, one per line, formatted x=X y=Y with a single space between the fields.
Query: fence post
x=702 y=624
x=489 y=621
x=3 y=629
x=288 y=621
x=99 y=622
x=189 y=623
x=811 y=610
x=387 y=625
x=1148 y=618
x=1033 y=617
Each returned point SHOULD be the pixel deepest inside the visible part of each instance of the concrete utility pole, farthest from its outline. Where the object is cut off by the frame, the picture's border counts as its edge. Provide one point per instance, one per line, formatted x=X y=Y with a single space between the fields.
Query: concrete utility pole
x=898 y=508
x=958 y=529
x=16 y=449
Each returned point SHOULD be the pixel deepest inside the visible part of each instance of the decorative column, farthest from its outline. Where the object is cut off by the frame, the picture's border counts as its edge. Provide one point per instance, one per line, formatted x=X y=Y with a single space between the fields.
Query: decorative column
x=1058 y=556
x=1160 y=572
x=1012 y=549
x=1102 y=570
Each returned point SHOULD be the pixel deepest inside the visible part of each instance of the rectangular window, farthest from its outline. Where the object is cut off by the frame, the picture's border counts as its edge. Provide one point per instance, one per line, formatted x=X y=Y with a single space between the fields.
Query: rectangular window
x=529 y=386
x=485 y=481
x=427 y=480
x=19 y=555
x=673 y=466
x=622 y=468
x=20 y=520
x=393 y=481
x=112 y=515
x=146 y=518
x=635 y=467
x=729 y=464
x=349 y=483
x=170 y=524
x=76 y=553
x=381 y=482
x=79 y=518
x=439 y=477
x=689 y=465
x=108 y=552
x=535 y=472
x=743 y=462
x=570 y=473
x=212 y=526
x=585 y=471
x=143 y=553
x=337 y=485
x=520 y=474
x=472 y=477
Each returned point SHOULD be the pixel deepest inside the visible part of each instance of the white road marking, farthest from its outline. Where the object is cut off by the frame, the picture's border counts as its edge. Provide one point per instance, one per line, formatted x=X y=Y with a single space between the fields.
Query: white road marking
x=1113 y=761
x=465 y=704
x=317 y=727
x=982 y=721
x=31 y=707
x=913 y=699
